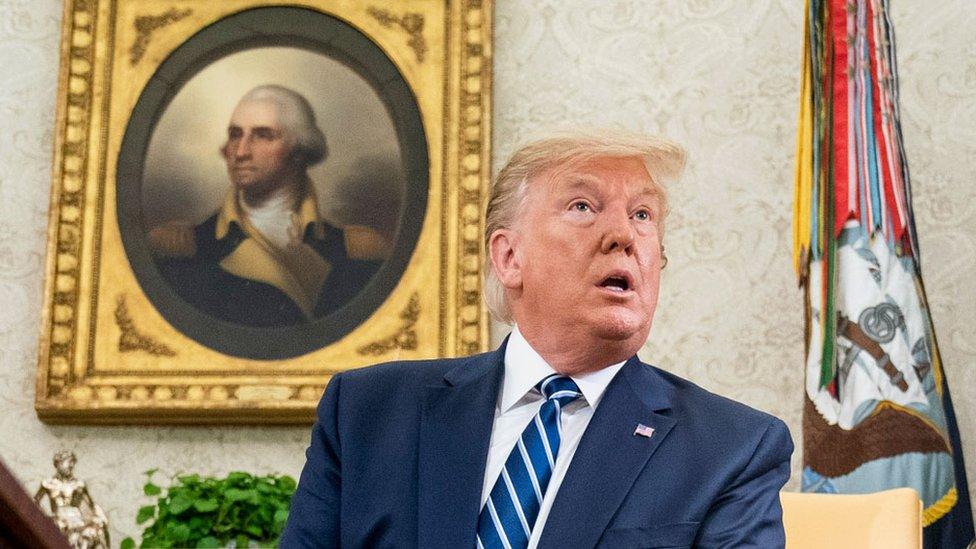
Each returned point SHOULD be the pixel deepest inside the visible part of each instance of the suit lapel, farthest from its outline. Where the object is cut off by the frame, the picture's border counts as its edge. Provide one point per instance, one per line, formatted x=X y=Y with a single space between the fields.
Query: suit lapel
x=455 y=433
x=609 y=457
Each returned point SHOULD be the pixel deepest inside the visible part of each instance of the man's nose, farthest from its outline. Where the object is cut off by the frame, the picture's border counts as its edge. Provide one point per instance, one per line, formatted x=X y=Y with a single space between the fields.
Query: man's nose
x=242 y=148
x=618 y=233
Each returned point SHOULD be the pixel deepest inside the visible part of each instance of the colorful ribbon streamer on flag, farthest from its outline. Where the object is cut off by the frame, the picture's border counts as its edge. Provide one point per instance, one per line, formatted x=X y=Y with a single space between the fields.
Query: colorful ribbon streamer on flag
x=878 y=411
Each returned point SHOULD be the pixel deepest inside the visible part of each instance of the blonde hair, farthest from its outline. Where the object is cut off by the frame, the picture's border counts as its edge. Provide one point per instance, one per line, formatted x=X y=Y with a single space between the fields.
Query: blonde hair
x=663 y=159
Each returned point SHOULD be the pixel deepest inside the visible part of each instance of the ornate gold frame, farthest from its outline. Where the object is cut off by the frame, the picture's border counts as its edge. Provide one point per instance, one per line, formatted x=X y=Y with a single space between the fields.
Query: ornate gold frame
x=108 y=356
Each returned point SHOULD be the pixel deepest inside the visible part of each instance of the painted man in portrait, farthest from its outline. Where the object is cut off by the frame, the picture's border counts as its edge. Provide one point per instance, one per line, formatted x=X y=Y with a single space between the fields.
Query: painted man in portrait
x=266 y=258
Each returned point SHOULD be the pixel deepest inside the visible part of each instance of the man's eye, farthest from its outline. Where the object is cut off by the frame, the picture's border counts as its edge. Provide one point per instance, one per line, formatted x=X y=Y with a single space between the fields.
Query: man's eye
x=581 y=206
x=642 y=215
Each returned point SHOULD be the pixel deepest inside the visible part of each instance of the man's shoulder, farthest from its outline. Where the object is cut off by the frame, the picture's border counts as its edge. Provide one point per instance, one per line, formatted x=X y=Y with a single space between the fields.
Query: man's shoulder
x=409 y=373
x=695 y=405
x=178 y=239
x=392 y=391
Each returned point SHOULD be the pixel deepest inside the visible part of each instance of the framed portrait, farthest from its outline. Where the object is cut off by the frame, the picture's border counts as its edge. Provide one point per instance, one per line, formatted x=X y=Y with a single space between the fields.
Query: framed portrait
x=251 y=196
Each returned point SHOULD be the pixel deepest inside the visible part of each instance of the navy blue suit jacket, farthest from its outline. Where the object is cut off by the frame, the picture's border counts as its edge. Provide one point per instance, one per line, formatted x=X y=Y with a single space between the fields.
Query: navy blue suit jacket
x=397 y=459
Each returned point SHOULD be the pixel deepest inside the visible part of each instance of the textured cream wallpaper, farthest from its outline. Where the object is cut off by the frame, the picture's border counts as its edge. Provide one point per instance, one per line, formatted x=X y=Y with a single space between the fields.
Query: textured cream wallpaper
x=721 y=76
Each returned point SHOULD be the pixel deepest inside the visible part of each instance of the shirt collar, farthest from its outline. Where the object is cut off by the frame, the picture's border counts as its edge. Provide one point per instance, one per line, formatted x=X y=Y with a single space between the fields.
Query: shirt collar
x=524 y=367
x=308 y=213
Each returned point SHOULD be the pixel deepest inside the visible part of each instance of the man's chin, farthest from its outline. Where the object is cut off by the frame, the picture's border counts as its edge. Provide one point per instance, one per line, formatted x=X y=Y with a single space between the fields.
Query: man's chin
x=243 y=183
x=252 y=188
x=623 y=326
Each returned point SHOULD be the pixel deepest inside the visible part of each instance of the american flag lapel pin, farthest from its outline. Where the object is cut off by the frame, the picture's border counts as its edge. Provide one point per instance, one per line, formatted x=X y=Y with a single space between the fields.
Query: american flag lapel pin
x=643 y=431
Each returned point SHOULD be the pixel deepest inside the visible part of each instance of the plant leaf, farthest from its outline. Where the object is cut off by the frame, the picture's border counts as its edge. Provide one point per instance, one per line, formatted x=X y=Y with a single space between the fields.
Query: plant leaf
x=234 y=494
x=128 y=543
x=179 y=504
x=287 y=483
x=189 y=479
x=238 y=476
x=145 y=513
x=201 y=525
x=208 y=541
x=151 y=489
x=177 y=531
x=206 y=505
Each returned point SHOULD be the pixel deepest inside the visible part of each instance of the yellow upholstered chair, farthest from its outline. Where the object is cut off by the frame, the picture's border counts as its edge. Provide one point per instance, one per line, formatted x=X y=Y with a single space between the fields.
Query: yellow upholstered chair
x=891 y=519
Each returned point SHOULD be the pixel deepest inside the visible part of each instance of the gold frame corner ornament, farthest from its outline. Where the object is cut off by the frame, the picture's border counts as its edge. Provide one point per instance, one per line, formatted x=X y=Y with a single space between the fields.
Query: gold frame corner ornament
x=108 y=355
x=412 y=23
x=131 y=339
x=146 y=25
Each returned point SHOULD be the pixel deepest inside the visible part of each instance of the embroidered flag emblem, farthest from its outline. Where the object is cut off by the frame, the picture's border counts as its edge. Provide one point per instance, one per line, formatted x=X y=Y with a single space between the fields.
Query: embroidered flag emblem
x=643 y=430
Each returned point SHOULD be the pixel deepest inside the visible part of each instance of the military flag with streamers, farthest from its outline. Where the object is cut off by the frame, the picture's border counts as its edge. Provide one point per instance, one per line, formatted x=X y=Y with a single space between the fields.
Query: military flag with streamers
x=878 y=413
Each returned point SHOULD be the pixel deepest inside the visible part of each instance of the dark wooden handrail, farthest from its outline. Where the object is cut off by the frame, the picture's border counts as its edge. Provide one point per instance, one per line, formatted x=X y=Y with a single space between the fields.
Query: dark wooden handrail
x=22 y=523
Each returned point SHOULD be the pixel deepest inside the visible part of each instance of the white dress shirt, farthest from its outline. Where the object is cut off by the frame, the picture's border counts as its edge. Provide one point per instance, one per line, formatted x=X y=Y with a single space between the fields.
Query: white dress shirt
x=275 y=218
x=519 y=401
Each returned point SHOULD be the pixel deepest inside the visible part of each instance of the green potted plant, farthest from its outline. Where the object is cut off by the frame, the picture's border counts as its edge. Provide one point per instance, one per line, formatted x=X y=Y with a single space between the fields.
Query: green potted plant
x=239 y=510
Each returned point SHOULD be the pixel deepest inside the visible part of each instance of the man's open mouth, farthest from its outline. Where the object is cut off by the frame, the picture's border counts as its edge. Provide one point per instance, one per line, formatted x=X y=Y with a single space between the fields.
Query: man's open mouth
x=616 y=283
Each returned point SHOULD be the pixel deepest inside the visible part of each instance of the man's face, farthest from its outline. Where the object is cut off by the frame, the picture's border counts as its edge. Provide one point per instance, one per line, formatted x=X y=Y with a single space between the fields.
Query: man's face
x=589 y=250
x=257 y=152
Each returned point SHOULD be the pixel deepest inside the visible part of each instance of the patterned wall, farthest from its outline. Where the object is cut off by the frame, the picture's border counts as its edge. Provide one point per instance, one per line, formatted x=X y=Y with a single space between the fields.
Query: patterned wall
x=720 y=76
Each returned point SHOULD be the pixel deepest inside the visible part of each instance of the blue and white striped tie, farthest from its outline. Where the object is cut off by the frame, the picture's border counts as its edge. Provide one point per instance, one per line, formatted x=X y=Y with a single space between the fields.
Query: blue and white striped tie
x=508 y=516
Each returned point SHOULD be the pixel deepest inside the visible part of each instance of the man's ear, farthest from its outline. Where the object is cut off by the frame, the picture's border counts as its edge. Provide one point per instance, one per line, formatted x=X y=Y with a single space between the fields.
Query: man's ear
x=503 y=246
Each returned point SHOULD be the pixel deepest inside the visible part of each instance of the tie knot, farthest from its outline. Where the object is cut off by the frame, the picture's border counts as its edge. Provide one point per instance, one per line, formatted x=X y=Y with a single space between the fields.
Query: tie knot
x=559 y=387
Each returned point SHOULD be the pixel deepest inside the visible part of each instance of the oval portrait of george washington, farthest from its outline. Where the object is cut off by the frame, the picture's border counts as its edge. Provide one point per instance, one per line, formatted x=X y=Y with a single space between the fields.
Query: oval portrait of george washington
x=272 y=182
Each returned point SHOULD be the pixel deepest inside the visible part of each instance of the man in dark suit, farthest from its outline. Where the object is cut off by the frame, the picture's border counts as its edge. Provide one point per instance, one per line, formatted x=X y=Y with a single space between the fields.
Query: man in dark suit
x=562 y=437
x=266 y=258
